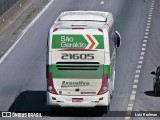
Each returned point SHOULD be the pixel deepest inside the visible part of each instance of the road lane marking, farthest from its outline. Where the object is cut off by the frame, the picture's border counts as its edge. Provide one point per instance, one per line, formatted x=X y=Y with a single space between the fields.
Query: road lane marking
x=136 y=76
x=139 y=66
x=144 y=45
x=138 y=71
x=149 y=18
x=132 y=97
x=134 y=86
x=134 y=92
x=148 y=23
x=102 y=2
x=24 y=31
x=143 y=49
x=145 y=36
x=136 y=81
x=147 y=26
x=141 y=57
x=145 y=41
x=140 y=62
x=146 y=33
x=142 y=53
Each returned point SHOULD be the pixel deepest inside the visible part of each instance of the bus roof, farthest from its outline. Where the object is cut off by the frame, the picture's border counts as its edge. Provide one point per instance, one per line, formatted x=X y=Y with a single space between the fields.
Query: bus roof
x=84 y=16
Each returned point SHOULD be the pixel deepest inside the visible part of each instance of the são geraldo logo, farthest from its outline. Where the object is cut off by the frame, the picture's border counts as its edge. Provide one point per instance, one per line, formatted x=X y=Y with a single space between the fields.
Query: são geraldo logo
x=69 y=42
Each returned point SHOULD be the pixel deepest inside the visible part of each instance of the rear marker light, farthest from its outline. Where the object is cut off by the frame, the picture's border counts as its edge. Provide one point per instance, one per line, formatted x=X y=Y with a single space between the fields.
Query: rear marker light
x=50 y=88
x=104 y=86
x=100 y=30
x=50 y=84
x=53 y=98
x=55 y=29
x=100 y=98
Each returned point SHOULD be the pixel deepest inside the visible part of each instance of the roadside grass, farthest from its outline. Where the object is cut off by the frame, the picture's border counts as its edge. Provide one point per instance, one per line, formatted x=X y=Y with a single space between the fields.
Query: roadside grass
x=26 y=20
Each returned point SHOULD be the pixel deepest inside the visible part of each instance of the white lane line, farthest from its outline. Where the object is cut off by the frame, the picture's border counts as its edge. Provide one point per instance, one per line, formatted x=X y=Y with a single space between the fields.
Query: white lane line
x=133 y=92
x=146 y=33
x=145 y=41
x=148 y=27
x=24 y=31
x=151 y=10
x=143 y=49
x=149 y=18
x=127 y=118
x=134 y=86
x=136 y=76
x=130 y=104
x=141 y=57
x=102 y=2
x=139 y=66
x=144 y=45
x=138 y=71
x=148 y=23
x=132 y=97
x=136 y=81
x=142 y=53
x=140 y=62
x=145 y=37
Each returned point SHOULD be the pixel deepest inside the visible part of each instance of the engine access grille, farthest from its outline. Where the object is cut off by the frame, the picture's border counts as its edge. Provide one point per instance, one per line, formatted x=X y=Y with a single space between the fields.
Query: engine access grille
x=77 y=65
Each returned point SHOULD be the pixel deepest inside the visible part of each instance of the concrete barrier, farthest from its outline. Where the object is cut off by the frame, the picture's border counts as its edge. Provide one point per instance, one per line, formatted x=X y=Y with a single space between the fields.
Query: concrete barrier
x=13 y=13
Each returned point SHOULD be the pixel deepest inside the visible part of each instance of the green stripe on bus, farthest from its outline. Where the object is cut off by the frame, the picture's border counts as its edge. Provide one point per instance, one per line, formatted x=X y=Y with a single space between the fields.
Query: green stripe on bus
x=78 y=74
x=107 y=70
x=100 y=40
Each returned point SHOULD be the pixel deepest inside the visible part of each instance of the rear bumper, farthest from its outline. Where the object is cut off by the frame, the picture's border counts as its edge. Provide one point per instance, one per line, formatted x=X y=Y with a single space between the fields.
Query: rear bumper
x=88 y=101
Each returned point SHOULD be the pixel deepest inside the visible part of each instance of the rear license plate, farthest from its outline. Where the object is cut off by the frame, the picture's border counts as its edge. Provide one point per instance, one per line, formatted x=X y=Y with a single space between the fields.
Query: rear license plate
x=77 y=99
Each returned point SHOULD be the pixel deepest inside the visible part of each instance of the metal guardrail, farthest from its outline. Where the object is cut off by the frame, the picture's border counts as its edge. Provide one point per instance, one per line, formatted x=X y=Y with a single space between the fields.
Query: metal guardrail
x=5 y=5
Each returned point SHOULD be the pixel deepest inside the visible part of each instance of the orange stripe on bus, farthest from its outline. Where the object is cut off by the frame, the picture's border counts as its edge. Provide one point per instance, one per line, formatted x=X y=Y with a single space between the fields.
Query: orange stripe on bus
x=92 y=41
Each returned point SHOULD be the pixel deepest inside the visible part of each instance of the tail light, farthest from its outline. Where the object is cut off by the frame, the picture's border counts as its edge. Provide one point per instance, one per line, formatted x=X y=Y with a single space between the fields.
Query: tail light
x=55 y=29
x=104 y=86
x=50 y=84
x=100 y=30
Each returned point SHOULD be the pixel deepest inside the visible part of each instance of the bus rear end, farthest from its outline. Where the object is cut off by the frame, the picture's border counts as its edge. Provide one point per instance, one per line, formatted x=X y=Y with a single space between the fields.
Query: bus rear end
x=77 y=73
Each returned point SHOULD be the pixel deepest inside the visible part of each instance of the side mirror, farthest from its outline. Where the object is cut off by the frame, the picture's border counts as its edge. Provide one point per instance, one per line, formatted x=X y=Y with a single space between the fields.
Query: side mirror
x=153 y=73
x=118 y=39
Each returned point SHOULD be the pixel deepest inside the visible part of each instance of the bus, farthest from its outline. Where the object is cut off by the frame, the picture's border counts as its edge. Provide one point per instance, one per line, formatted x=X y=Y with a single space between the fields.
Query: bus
x=81 y=59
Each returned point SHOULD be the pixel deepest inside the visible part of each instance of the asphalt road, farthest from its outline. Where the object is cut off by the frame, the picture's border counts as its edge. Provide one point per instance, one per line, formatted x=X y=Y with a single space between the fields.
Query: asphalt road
x=22 y=73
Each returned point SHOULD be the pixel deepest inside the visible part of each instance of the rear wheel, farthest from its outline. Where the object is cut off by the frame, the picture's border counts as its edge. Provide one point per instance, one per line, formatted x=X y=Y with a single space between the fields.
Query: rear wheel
x=155 y=90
